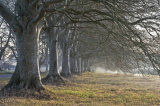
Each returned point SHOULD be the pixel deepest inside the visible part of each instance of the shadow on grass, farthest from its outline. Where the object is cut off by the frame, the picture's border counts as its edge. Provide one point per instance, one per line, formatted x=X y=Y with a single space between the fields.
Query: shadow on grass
x=23 y=93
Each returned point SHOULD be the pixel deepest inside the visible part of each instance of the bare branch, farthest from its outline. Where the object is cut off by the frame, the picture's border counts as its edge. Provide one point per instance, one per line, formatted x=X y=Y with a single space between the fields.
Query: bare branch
x=7 y=14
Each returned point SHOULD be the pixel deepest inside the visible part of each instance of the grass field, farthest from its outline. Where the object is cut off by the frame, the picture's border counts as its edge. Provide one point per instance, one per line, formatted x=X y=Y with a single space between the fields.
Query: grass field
x=90 y=89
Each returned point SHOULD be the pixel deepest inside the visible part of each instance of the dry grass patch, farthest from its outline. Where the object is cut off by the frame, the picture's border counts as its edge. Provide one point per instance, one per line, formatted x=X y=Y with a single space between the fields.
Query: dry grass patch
x=91 y=89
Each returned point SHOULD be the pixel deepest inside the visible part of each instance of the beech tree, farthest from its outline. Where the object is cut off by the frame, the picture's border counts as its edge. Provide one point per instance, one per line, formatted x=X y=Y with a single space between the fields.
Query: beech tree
x=26 y=24
x=53 y=32
x=30 y=16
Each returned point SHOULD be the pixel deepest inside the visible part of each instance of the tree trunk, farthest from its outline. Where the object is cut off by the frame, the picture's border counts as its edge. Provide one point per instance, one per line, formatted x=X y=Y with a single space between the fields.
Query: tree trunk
x=79 y=65
x=46 y=60
x=27 y=74
x=53 y=76
x=88 y=67
x=66 y=62
x=73 y=65
x=85 y=63
x=82 y=64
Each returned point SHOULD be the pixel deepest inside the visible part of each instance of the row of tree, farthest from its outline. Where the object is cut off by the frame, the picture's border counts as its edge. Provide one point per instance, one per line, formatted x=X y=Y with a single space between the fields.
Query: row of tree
x=77 y=34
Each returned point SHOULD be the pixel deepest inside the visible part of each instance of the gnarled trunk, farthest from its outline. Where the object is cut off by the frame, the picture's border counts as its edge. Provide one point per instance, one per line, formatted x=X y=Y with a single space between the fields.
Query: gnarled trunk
x=27 y=74
x=53 y=76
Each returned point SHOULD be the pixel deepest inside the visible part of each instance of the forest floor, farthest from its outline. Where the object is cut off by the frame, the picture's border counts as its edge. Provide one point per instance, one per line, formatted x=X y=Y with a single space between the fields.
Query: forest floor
x=90 y=89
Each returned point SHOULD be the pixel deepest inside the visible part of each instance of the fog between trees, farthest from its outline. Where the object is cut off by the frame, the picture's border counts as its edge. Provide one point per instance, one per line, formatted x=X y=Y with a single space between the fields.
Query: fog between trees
x=73 y=36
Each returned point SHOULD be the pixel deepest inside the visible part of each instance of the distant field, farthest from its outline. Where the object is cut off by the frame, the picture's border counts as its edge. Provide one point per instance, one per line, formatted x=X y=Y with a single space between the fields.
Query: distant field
x=91 y=89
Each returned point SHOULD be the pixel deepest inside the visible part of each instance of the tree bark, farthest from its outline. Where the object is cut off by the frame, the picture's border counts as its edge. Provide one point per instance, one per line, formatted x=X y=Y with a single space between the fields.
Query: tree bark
x=54 y=75
x=78 y=65
x=88 y=66
x=82 y=64
x=73 y=65
x=47 y=57
x=27 y=74
x=66 y=62
x=26 y=28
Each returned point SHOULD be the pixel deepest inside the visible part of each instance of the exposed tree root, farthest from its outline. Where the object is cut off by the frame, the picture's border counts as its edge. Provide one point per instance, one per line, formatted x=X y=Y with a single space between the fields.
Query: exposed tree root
x=22 y=85
x=17 y=83
x=54 y=79
x=29 y=93
x=66 y=75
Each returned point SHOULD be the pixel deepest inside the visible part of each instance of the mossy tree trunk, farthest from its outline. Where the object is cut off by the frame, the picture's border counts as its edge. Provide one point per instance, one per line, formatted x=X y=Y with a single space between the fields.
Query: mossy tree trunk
x=27 y=74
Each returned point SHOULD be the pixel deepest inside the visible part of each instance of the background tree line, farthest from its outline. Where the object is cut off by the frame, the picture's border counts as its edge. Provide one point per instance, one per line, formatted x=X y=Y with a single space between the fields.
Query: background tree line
x=72 y=36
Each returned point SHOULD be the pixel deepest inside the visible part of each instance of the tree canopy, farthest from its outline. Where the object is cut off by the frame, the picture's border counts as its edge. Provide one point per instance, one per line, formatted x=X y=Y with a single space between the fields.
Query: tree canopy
x=73 y=36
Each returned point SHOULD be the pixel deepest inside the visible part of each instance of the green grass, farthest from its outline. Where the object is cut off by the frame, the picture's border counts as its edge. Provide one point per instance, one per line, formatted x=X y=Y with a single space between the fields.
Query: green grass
x=91 y=89
x=5 y=72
